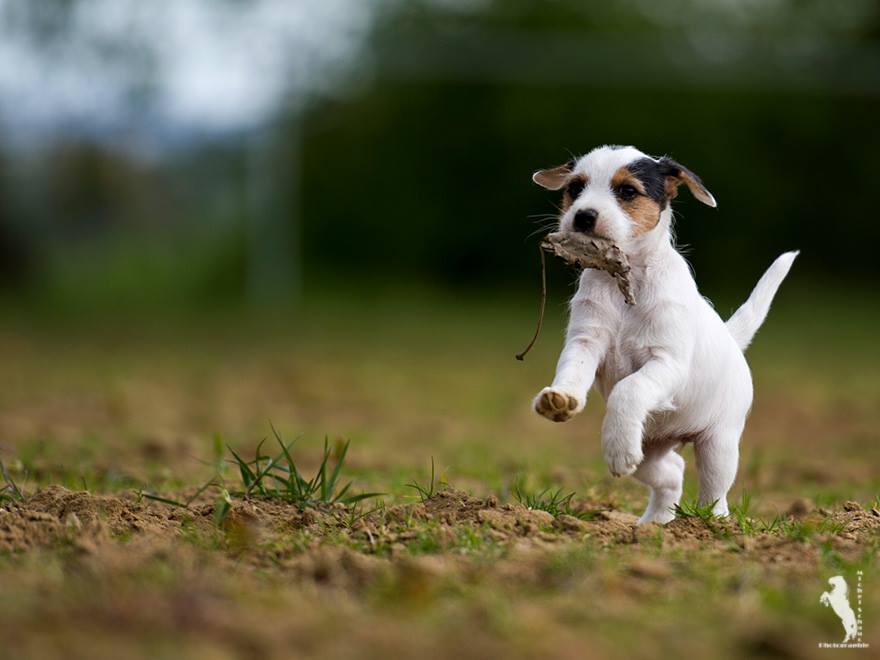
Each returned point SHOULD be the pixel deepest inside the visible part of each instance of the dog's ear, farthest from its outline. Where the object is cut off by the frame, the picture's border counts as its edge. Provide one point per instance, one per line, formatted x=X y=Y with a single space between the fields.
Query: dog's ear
x=677 y=174
x=554 y=178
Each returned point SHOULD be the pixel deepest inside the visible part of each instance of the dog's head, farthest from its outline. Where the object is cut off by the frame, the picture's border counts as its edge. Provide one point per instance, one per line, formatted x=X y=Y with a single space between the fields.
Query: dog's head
x=838 y=585
x=618 y=193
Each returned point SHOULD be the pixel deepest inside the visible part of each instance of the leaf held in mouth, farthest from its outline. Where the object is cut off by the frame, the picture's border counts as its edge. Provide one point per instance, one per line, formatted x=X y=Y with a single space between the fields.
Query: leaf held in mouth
x=592 y=252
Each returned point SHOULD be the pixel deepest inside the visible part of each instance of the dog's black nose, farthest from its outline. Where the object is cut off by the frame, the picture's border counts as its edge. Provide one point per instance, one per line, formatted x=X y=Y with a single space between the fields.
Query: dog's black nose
x=585 y=220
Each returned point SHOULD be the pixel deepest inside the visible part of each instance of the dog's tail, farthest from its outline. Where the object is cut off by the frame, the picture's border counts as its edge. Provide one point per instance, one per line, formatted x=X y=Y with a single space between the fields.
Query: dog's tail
x=747 y=319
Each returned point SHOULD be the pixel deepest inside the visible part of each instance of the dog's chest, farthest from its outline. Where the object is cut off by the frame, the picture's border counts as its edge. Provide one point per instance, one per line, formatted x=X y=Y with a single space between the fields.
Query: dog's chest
x=627 y=353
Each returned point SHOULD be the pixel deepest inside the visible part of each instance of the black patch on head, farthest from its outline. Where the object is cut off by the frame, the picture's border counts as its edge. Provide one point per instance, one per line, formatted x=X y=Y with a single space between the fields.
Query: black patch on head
x=653 y=175
x=676 y=169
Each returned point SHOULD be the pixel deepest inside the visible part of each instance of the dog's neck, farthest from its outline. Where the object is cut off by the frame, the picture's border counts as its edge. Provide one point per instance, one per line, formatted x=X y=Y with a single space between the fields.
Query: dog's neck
x=653 y=248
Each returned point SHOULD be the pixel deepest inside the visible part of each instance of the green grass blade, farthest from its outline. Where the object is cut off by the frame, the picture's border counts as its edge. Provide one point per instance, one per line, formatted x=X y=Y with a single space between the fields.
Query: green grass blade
x=164 y=500
x=340 y=459
x=258 y=478
x=351 y=499
x=294 y=482
x=10 y=482
x=222 y=507
x=425 y=493
x=247 y=475
x=219 y=456
x=201 y=490
x=296 y=485
x=341 y=494
x=320 y=479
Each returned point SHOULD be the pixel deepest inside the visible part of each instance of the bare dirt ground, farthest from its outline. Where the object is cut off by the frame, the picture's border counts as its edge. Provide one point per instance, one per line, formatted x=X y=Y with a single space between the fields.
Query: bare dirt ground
x=91 y=568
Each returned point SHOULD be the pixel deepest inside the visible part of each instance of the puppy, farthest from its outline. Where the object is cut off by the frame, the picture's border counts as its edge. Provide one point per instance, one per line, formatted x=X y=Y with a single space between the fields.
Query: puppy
x=670 y=370
x=838 y=599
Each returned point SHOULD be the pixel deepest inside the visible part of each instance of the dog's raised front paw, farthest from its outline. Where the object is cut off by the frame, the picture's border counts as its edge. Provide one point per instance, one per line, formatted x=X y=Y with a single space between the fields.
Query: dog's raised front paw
x=556 y=405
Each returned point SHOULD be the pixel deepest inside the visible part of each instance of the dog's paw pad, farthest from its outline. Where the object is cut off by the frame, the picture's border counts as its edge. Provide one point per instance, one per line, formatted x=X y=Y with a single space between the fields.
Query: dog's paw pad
x=556 y=400
x=555 y=405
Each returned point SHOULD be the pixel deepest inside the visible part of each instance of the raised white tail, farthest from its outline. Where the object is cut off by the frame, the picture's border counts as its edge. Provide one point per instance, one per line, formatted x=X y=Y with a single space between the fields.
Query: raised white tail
x=748 y=318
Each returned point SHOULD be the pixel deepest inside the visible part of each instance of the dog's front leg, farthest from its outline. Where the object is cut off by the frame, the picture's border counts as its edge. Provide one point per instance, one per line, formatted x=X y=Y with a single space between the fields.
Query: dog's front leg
x=629 y=404
x=586 y=341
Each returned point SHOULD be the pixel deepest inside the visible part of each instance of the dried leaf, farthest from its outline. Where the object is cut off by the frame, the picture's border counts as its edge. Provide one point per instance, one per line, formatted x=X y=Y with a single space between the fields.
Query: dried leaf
x=587 y=251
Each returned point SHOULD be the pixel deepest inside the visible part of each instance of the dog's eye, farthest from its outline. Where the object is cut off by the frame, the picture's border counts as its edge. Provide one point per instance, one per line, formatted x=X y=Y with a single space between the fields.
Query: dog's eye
x=626 y=192
x=575 y=188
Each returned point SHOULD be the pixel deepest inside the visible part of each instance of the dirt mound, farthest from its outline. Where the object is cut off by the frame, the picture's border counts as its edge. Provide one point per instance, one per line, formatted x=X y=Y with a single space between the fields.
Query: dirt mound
x=308 y=542
x=56 y=515
x=451 y=506
x=336 y=567
x=449 y=520
x=694 y=530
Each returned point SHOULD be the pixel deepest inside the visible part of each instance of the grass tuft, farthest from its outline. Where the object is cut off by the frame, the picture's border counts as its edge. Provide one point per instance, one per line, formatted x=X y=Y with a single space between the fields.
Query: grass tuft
x=801 y=530
x=553 y=502
x=10 y=491
x=741 y=513
x=276 y=478
x=279 y=477
x=693 y=509
x=425 y=492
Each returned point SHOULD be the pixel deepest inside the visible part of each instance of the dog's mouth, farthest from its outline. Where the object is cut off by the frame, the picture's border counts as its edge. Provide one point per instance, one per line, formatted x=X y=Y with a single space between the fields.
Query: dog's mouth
x=580 y=236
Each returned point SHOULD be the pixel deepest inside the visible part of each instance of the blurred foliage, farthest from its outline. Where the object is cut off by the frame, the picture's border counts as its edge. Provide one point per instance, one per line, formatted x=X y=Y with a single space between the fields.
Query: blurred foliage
x=443 y=165
x=419 y=167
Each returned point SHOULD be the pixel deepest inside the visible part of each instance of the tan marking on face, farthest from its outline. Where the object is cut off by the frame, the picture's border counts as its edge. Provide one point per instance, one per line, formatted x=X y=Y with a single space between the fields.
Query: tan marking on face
x=566 y=197
x=642 y=210
x=624 y=176
x=645 y=213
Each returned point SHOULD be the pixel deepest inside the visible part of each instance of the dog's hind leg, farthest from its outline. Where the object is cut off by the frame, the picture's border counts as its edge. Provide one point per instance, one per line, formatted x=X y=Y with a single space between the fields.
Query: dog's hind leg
x=717 y=457
x=663 y=471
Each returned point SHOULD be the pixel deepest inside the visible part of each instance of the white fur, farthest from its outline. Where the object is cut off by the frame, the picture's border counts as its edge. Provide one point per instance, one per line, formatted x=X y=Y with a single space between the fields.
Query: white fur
x=669 y=368
x=838 y=599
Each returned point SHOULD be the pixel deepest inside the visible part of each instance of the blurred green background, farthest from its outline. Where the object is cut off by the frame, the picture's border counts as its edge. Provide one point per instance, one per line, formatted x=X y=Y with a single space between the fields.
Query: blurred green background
x=261 y=154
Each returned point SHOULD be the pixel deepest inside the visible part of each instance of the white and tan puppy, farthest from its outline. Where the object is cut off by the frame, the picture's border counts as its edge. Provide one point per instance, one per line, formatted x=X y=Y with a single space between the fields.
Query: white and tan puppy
x=670 y=370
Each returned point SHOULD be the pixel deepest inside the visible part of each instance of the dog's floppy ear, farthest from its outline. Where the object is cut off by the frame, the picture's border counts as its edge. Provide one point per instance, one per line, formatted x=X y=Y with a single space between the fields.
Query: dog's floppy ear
x=677 y=174
x=553 y=178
